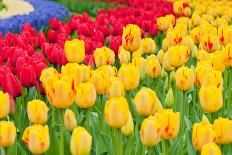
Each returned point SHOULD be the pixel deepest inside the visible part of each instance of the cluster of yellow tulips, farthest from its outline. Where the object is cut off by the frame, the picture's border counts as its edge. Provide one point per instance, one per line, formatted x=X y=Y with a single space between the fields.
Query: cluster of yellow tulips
x=157 y=93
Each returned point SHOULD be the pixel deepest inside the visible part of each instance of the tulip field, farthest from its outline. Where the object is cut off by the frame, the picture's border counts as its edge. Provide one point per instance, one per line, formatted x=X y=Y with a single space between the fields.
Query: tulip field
x=116 y=77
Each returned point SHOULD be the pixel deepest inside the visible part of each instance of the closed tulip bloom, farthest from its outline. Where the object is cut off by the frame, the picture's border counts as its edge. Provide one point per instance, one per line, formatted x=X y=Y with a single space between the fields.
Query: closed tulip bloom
x=103 y=56
x=210 y=43
x=7 y=133
x=74 y=50
x=202 y=134
x=187 y=12
x=148 y=45
x=47 y=73
x=150 y=131
x=169 y=123
x=169 y=99
x=116 y=112
x=128 y=128
x=37 y=139
x=184 y=78
x=141 y=63
x=178 y=55
x=223 y=127
x=146 y=102
x=37 y=111
x=227 y=34
x=189 y=42
x=138 y=53
x=213 y=78
x=178 y=7
x=153 y=67
x=195 y=35
x=131 y=37
x=196 y=19
x=81 y=141
x=125 y=73
x=211 y=98
x=202 y=68
x=104 y=77
x=5 y=104
x=210 y=149
x=165 y=44
x=115 y=88
x=86 y=70
x=166 y=63
x=60 y=93
x=70 y=120
x=217 y=60
x=164 y=23
x=124 y=56
x=85 y=95
x=160 y=56
x=202 y=55
x=227 y=52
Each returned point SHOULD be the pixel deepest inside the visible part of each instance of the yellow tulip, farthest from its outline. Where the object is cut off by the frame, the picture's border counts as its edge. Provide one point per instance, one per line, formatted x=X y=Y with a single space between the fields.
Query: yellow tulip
x=85 y=95
x=111 y=70
x=81 y=141
x=115 y=88
x=213 y=78
x=74 y=50
x=169 y=123
x=128 y=128
x=5 y=104
x=165 y=44
x=169 y=99
x=175 y=37
x=138 y=53
x=60 y=93
x=124 y=56
x=202 y=55
x=86 y=70
x=195 y=34
x=202 y=134
x=150 y=131
x=37 y=139
x=196 y=19
x=184 y=78
x=103 y=56
x=125 y=73
x=160 y=56
x=211 y=98
x=166 y=63
x=37 y=112
x=220 y=22
x=210 y=149
x=7 y=133
x=202 y=68
x=140 y=63
x=217 y=60
x=189 y=42
x=163 y=23
x=224 y=34
x=210 y=43
x=178 y=55
x=153 y=67
x=223 y=127
x=146 y=102
x=131 y=37
x=48 y=73
x=148 y=45
x=227 y=52
x=208 y=19
x=70 y=120
x=187 y=12
x=116 y=112
x=178 y=7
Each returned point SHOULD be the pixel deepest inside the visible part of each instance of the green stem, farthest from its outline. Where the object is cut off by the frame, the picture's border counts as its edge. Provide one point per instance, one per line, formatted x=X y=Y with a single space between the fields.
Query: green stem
x=53 y=116
x=119 y=150
x=150 y=151
x=61 y=113
x=183 y=113
x=164 y=148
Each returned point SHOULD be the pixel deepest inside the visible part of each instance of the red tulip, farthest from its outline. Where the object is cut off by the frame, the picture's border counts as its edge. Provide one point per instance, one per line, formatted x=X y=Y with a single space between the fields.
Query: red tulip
x=54 y=23
x=52 y=36
x=27 y=76
x=41 y=38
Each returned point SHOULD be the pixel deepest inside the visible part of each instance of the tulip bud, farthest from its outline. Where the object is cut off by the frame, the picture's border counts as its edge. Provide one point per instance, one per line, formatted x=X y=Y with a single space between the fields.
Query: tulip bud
x=150 y=131
x=166 y=84
x=131 y=37
x=103 y=56
x=169 y=99
x=153 y=67
x=164 y=74
x=7 y=133
x=178 y=7
x=210 y=149
x=196 y=19
x=169 y=123
x=223 y=127
x=37 y=112
x=201 y=69
x=163 y=23
x=146 y=102
x=148 y=45
x=85 y=95
x=124 y=56
x=194 y=51
x=128 y=128
x=187 y=11
x=70 y=120
x=165 y=44
x=116 y=112
x=74 y=50
x=5 y=104
x=125 y=73
x=37 y=139
x=81 y=141
x=184 y=78
x=160 y=56
x=173 y=76
x=211 y=98
x=115 y=88
x=202 y=134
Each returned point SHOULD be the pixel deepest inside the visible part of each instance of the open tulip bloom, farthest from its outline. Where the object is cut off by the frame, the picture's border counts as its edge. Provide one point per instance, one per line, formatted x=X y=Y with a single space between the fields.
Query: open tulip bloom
x=144 y=77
